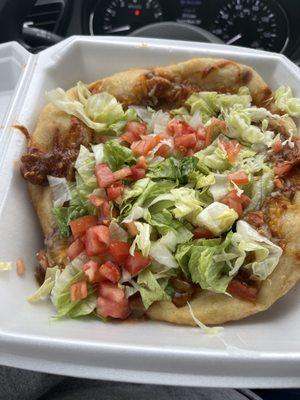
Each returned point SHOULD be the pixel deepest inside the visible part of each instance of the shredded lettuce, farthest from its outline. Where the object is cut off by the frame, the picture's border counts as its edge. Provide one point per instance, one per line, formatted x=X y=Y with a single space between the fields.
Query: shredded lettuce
x=98 y=150
x=286 y=102
x=85 y=166
x=45 y=289
x=219 y=188
x=216 y=330
x=261 y=186
x=217 y=218
x=150 y=289
x=100 y=112
x=117 y=156
x=142 y=239
x=167 y=168
x=213 y=158
x=59 y=190
x=186 y=202
x=117 y=234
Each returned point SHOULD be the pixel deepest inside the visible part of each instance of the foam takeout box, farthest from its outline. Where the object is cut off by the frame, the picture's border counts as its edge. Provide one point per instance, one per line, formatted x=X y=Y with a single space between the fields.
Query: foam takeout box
x=260 y=351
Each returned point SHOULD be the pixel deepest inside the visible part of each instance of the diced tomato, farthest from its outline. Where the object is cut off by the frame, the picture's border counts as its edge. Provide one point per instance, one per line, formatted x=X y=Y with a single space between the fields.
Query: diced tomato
x=80 y=225
x=144 y=146
x=136 y=263
x=277 y=146
x=132 y=229
x=137 y=173
x=236 y=202
x=163 y=150
x=179 y=128
x=104 y=175
x=202 y=233
x=188 y=141
x=105 y=213
x=242 y=290
x=97 y=240
x=109 y=271
x=119 y=251
x=239 y=177
x=201 y=133
x=111 y=291
x=91 y=271
x=108 y=308
x=95 y=200
x=75 y=249
x=115 y=191
x=78 y=291
x=208 y=136
x=256 y=218
x=122 y=173
x=232 y=148
x=282 y=169
x=133 y=132
x=20 y=266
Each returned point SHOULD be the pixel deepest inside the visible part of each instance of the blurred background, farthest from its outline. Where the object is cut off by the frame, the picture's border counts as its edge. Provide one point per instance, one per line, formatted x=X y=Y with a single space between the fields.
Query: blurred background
x=270 y=25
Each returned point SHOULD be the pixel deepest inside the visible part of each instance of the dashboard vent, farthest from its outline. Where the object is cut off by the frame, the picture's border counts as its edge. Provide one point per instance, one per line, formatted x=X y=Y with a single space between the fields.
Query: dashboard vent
x=45 y=15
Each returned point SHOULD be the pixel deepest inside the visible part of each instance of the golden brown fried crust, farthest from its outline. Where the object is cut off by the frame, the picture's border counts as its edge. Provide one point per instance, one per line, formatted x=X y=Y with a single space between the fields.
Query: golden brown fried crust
x=132 y=87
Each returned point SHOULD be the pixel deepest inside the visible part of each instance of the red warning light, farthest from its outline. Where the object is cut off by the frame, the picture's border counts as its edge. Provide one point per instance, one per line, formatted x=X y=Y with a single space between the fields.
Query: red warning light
x=137 y=13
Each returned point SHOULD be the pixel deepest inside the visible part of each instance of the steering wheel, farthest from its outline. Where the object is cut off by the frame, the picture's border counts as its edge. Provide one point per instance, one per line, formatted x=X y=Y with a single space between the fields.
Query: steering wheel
x=14 y=12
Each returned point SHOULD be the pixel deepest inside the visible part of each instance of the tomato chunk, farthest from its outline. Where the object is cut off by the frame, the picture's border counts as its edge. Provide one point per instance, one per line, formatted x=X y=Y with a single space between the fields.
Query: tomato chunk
x=115 y=191
x=105 y=213
x=236 y=202
x=119 y=251
x=179 y=128
x=104 y=175
x=142 y=163
x=282 y=169
x=242 y=289
x=96 y=200
x=232 y=148
x=111 y=291
x=136 y=263
x=239 y=177
x=78 y=291
x=277 y=146
x=80 y=225
x=137 y=173
x=133 y=132
x=109 y=271
x=75 y=249
x=122 y=173
x=108 y=308
x=144 y=146
x=97 y=240
x=202 y=233
x=187 y=141
x=91 y=271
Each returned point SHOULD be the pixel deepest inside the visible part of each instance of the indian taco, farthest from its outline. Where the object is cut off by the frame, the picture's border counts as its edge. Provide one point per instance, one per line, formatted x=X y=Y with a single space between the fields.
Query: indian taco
x=168 y=192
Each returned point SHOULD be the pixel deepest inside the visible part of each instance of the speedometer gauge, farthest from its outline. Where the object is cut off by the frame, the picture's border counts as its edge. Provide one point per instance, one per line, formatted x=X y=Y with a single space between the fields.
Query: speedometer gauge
x=123 y=16
x=259 y=24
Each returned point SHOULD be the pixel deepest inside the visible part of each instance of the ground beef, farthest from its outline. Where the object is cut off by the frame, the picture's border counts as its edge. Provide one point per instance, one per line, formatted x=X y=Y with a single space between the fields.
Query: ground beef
x=164 y=92
x=60 y=160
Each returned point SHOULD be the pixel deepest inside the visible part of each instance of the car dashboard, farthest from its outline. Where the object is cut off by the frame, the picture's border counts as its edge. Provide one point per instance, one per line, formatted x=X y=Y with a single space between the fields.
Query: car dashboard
x=261 y=24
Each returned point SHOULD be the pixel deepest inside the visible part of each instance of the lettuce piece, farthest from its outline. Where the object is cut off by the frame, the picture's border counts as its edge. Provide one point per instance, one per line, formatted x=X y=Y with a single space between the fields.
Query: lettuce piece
x=186 y=202
x=199 y=180
x=84 y=307
x=163 y=221
x=150 y=289
x=156 y=121
x=217 y=218
x=285 y=101
x=59 y=190
x=168 y=168
x=209 y=104
x=117 y=234
x=186 y=167
x=45 y=289
x=100 y=112
x=266 y=254
x=219 y=188
x=98 y=150
x=117 y=156
x=162 y=250
x=60 y=294
x=142 y=239
x=85 y=166
x=213 y=158
x=212 y=331
x=5 y=266
x=261 y=186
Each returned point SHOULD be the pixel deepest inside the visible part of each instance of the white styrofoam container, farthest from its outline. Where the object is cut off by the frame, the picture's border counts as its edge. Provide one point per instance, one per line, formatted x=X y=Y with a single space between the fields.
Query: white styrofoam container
x=261 y=351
